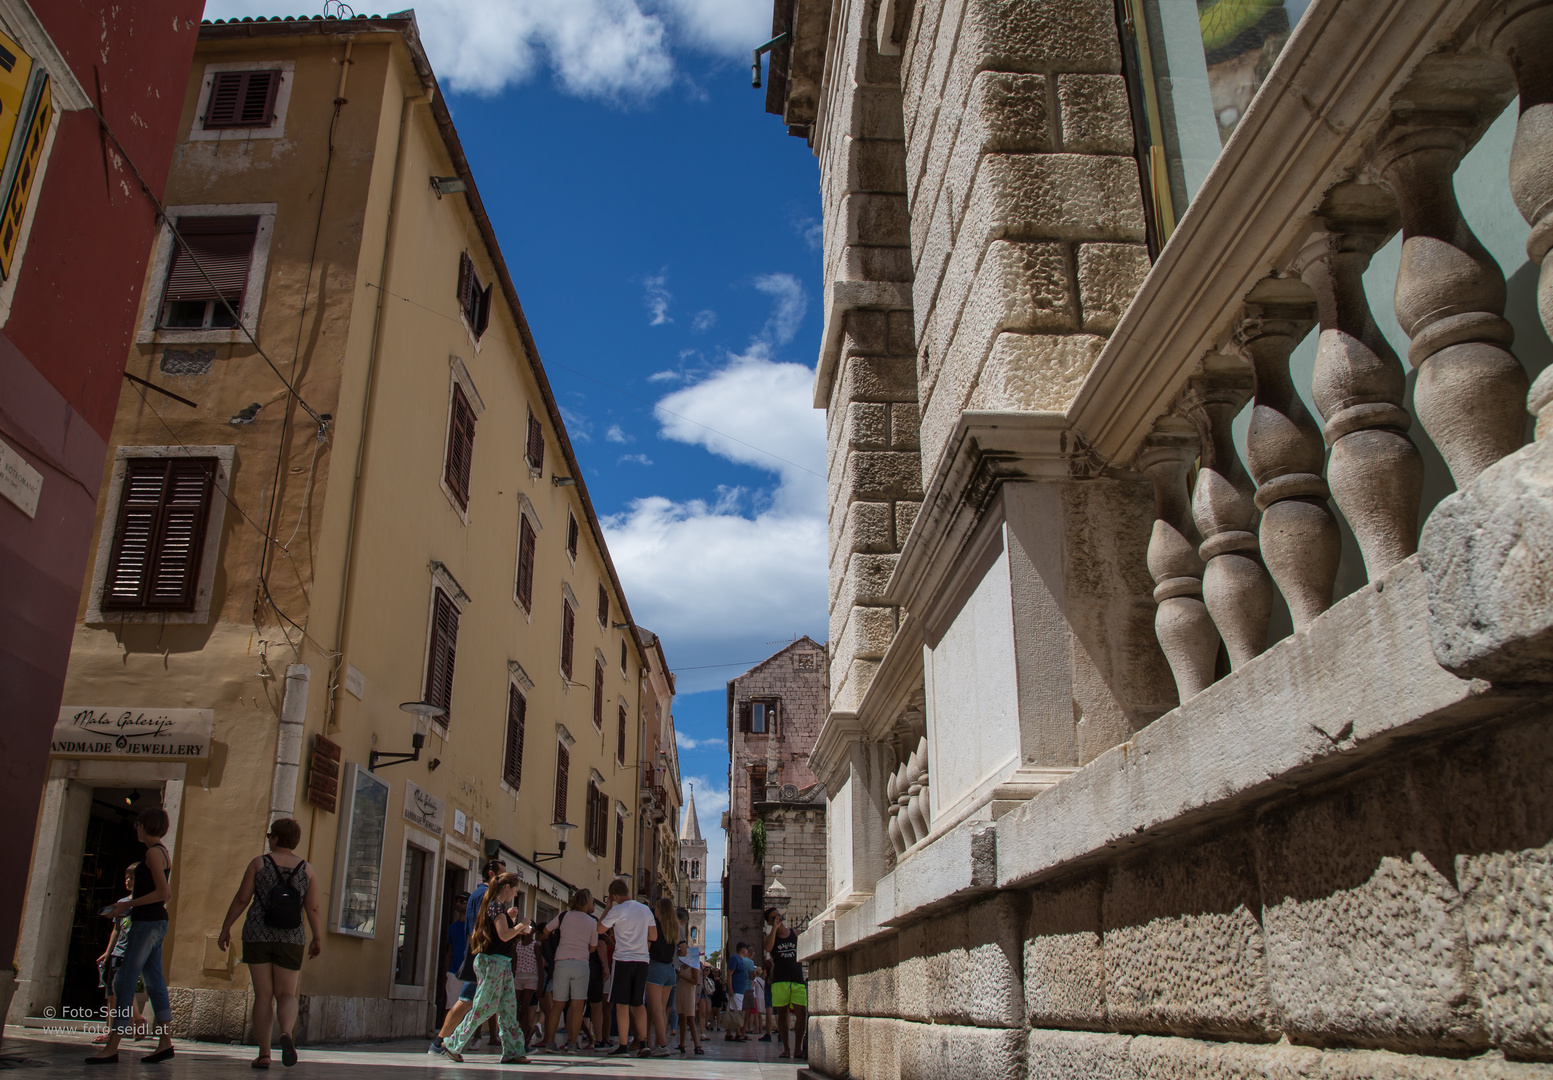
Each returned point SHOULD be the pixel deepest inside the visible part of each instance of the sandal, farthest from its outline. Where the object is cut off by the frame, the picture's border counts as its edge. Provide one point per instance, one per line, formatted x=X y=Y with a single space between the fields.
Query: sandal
x=700 y=1050
x=288 y=1051
x=259 y=1063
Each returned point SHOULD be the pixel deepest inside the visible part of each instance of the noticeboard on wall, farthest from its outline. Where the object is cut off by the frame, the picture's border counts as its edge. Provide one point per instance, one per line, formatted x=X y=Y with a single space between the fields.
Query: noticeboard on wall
x=358 y=859
x=26 y=111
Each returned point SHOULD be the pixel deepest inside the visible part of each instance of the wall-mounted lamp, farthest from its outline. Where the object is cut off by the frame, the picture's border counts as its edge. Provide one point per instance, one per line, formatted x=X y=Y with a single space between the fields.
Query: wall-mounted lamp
x=448 y=185
x=422 y=711
x=560 y=828
x=755 y=57
x=621 y=625
x=563 y=481
x=431 y=766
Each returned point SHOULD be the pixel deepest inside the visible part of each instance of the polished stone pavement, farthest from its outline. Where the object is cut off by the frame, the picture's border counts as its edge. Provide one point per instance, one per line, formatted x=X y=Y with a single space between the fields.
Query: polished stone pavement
x=42 y=1054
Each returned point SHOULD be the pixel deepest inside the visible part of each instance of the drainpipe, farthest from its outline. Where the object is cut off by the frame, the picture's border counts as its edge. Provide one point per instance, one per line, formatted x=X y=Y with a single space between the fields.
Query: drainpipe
x=288 y=748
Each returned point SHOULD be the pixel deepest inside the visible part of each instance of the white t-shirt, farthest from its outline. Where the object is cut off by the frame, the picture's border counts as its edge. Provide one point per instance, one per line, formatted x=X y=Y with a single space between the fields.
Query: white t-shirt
x=631 y=921
x=758 y=992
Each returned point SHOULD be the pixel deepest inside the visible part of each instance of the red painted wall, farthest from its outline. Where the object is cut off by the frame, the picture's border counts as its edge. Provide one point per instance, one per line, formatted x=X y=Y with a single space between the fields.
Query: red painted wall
x=80 y=280
x=62 y=357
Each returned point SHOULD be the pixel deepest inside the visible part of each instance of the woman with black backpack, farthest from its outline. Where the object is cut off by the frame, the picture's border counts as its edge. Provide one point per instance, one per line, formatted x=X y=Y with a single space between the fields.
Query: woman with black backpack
x=278 y=890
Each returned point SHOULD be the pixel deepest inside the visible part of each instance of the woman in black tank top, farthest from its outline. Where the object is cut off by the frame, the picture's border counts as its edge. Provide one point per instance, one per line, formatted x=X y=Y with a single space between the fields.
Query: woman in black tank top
x=147 y=908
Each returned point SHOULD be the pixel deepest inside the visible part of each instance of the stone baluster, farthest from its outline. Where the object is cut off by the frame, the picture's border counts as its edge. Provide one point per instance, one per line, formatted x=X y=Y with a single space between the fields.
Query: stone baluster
x=1299 y=539
x=1236 y=588
x=1450 y=297
x=1520 y=35
x=917 y=807
x=913 y=794
x=1182 y=624
x=903 y=785
x=1375 y=471
x=892 y=793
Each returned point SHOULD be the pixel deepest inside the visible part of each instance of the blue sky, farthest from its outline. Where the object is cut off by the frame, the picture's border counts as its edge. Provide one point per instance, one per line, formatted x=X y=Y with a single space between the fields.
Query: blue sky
x=662 y=231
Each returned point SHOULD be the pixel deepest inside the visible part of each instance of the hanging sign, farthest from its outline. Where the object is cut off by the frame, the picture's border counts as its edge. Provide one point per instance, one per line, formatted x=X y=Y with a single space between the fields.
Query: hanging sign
x=26 y=110
x=100 y=731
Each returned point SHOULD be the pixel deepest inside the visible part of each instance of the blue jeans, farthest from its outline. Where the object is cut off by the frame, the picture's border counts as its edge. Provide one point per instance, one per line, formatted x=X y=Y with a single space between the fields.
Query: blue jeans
x=142 y=960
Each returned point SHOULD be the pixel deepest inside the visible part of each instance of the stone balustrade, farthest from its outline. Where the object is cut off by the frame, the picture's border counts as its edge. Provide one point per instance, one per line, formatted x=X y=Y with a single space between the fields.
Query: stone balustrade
x=1268 y=523
x=907 y=792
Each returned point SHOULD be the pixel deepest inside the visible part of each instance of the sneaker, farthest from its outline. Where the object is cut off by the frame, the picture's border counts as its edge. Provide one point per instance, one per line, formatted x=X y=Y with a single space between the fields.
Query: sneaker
x=436 y=1048
x=645 y=1051
x=474 y=1043
x=620 y=1051
x=764 y=1038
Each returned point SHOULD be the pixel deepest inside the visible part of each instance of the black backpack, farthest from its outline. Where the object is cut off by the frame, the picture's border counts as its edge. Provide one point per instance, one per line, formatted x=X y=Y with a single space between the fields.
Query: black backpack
x=283 y=903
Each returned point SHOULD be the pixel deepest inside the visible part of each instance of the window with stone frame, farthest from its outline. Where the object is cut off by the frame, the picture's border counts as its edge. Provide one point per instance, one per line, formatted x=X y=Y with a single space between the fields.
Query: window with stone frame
x=603 y=606
x=757 y=789
x=571 y=536
x=568 y=635
x=759 y=716
x=620 y=742
x=523 y=590
x=622 y=656
x=207 y=275
x=517 y=716
x=534 y=451
x=563 y=764
x=474 y=302
x=442 y=652
x=241 y=99
x=459 y=458
x=596 y=823
x=159 y=536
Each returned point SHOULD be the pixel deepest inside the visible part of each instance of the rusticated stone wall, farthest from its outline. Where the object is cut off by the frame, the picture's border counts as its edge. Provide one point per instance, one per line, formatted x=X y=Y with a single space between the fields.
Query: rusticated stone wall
x=1394 y=923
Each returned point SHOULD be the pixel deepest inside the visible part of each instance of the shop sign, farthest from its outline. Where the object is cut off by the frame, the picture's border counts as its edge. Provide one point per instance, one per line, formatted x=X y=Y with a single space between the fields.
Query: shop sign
x=93 y=731
x=26 y=110
x=460 y=822
x=424 y=809
x=19 y=481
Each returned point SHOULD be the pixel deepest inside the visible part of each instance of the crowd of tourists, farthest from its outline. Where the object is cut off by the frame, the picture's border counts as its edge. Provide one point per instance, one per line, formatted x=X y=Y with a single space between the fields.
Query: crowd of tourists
x=612 y=977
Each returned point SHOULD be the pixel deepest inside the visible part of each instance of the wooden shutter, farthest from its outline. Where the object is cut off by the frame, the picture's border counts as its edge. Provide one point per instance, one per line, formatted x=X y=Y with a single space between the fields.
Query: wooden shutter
x=461 y=447
x=620 y=751
x=620 y=839
x=603 y=606
x=622 y=657
x=444 y=648
x=212 y=262
x=590 y=819
x=563 y=762
x=598 y=694
x=757 y=789
x=568 y=628
x=159 y=539
x=536 y=443
x=466 y=285
x=517 y=716
x=242 y=99
x=601 y=829
x=571 y=535
x=744 y=716
x=526 y=538
x=482 y=317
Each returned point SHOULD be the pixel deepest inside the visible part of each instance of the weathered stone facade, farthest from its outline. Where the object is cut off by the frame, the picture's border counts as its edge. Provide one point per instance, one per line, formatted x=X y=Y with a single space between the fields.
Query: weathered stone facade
x=1153 y=749
x=770 y=782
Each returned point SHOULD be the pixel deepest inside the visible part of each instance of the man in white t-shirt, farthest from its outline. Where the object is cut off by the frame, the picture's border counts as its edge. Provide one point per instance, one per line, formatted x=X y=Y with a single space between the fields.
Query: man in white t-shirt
x=632 y=926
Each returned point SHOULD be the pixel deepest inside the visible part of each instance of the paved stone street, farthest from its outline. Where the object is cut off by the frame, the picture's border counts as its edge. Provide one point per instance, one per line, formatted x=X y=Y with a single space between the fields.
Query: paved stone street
x=60 y=1055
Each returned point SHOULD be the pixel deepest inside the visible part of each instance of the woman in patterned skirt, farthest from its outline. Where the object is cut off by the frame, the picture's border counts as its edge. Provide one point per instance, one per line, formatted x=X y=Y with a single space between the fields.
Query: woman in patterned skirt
x=278 y=890
x=493 y=941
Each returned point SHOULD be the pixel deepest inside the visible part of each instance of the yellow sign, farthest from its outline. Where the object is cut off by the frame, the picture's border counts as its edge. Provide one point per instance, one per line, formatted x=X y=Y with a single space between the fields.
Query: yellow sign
x=18 y=179
x=15 y=75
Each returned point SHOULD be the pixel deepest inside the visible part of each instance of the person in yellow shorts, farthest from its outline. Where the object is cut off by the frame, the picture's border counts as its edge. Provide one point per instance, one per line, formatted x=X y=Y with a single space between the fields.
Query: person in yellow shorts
x=789 y=991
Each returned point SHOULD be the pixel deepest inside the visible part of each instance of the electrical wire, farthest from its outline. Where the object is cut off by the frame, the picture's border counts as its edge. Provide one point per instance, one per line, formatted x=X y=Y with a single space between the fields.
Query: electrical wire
x=610 y=386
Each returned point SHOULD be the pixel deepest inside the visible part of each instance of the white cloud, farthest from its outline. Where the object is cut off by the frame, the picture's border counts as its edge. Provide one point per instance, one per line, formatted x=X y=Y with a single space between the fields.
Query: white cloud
x=728 y=27
x=595 y=48
x=704 y=321
x=791 y=302
x=617 y=434
x=658 y=298
x=634 y=459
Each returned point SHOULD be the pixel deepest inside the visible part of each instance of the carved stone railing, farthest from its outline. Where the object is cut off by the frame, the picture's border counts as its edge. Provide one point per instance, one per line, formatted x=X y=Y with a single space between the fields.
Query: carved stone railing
x=1318 y=177
x=907 y=793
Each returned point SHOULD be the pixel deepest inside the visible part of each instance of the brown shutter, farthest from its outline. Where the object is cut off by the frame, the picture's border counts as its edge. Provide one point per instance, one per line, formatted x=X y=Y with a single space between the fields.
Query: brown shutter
x=242 y=99
x=483 y=315
x=212 y=261
x=444 y=648
x=164 y=506
x=598 y=694
x=757 y=789
x=466 y=283
x=563 y=761
x=536 y=443
x=622 y=657
x=568 y=627
x=620 y=839
x=602 y=830
x=517 y=716
x=461 y=447
x=526 y=540
x=603 y=606
x=744 y=716
x=571 y=535
x=590 y=818
x=620 y=751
